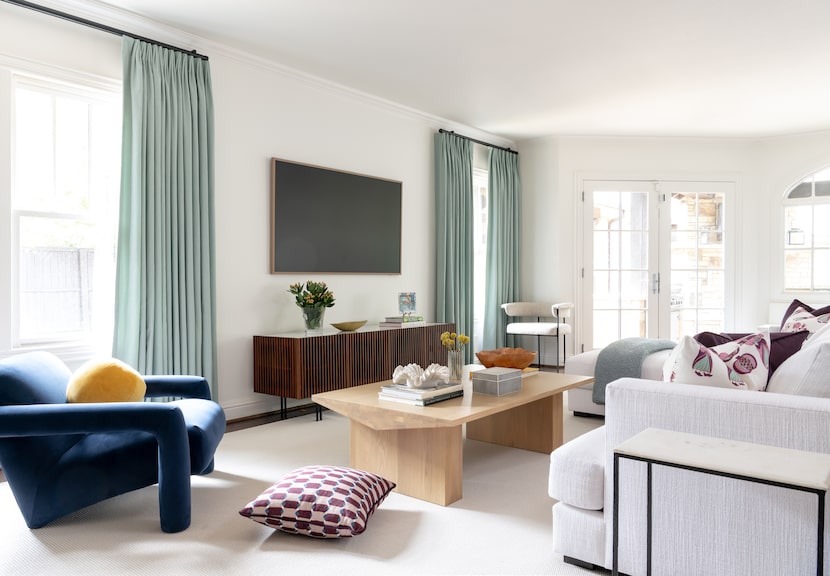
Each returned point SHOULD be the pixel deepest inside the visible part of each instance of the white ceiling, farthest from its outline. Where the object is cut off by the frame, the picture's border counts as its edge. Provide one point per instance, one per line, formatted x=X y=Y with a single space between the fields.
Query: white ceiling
x=527 y=68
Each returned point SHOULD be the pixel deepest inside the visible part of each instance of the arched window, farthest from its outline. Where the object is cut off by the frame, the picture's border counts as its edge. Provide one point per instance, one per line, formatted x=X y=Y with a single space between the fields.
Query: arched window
x=807 y=234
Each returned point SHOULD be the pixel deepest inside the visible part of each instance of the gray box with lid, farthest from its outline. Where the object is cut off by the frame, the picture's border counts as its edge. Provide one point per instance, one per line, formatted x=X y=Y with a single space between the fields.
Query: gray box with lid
x=497 y=381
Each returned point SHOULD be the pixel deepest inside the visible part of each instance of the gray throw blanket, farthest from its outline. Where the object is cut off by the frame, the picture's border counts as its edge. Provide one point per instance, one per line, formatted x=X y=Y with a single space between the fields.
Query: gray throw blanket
x=623 y=358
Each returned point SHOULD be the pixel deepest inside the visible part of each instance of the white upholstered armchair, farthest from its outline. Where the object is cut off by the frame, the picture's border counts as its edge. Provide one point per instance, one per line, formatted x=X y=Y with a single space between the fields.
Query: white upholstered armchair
x=550 y=320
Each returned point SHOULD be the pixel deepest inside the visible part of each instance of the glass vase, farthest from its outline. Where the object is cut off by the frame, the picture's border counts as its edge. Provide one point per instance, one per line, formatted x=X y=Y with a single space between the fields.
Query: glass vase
x=455 y=362
x=313 y=317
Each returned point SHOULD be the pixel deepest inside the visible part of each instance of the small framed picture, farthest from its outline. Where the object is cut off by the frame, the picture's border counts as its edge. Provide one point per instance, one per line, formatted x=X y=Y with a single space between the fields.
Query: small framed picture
x=406 y=302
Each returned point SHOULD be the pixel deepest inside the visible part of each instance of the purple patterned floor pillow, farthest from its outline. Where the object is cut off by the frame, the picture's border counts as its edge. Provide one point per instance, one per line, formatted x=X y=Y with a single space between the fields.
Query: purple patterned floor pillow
x=320 y=501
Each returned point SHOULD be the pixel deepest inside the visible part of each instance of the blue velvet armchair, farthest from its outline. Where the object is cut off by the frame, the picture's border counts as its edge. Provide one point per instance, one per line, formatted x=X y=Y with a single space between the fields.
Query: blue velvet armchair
x=60 y=457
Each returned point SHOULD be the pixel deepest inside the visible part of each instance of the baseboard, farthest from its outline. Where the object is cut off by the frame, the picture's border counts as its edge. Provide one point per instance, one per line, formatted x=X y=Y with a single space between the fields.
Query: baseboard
x=589 y=415
x=580 y=563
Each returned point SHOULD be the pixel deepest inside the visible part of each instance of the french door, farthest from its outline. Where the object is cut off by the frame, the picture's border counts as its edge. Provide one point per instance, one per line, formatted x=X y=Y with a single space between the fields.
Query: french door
x=654 y=259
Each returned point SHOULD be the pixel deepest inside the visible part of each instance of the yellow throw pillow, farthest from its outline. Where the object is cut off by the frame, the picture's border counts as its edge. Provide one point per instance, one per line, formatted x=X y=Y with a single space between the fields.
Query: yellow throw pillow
x=105 y=380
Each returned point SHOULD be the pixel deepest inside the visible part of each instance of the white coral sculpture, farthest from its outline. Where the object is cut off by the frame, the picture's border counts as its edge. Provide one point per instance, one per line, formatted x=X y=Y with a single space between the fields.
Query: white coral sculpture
x=414 y=376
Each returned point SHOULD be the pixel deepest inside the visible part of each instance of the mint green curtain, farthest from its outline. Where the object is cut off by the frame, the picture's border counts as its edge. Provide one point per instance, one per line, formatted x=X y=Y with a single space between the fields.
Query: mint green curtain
x=165 y=284
x=502 y=268
x=454 y=233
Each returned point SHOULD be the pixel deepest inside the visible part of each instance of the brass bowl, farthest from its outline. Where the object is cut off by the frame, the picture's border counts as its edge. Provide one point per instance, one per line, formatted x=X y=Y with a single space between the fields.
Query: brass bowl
x=349 y=326
x=506 y=358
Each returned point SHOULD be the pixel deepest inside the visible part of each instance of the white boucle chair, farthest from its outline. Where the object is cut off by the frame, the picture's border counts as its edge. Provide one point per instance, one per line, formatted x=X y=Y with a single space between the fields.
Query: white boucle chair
x=551 y=321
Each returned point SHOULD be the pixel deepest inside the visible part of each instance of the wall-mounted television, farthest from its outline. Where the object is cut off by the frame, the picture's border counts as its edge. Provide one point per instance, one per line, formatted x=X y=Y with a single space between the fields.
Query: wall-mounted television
x=329 y=221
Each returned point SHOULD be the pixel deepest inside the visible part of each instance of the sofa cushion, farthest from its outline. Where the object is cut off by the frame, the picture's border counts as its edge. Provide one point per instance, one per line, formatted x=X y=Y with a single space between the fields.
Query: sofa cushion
x=577 y=471
x=320 y=501
x=817 y=337
x=796 y=304
x=804 y=373
x=742 y=364
x=802 y=319
x=782 y=345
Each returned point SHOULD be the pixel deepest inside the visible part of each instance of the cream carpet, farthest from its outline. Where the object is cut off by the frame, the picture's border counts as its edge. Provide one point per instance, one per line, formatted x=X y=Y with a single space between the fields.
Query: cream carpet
x=502 y=524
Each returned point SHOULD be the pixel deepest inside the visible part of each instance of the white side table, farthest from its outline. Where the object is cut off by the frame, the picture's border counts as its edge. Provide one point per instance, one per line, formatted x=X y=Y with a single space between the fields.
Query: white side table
x=783 y=467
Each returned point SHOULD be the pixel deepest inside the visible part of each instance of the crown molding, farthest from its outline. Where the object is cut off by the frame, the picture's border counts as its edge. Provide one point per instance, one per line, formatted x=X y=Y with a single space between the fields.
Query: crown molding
x=140 y=25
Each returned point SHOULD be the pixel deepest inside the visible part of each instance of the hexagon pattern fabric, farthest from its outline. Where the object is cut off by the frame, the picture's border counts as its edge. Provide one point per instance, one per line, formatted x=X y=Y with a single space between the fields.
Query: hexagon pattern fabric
x=320 y=501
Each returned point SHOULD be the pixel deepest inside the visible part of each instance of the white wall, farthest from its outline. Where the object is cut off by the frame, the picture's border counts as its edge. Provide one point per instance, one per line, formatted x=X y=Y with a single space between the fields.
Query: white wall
x=262 y=111
x=764 y=170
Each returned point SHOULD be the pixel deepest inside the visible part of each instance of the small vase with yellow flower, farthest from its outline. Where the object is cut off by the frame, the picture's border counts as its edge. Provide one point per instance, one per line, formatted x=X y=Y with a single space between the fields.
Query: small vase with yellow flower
x=454 y=343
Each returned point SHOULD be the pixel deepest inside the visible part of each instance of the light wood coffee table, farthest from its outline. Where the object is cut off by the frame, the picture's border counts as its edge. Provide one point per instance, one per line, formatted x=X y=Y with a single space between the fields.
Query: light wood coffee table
x=420 y=448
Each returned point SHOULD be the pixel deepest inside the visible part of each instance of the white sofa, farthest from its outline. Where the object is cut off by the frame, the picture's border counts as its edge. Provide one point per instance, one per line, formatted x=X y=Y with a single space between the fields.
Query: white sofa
x=703 y=524
x=581 y=399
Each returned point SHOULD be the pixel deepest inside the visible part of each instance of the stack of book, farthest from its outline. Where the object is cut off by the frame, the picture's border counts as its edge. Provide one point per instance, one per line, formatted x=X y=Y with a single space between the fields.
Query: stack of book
x=402 y=321
x=420 y=396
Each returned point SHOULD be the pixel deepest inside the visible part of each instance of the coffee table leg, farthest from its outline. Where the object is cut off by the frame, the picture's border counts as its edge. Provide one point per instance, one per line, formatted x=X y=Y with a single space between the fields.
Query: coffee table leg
x=536 y=426
x=425 y=463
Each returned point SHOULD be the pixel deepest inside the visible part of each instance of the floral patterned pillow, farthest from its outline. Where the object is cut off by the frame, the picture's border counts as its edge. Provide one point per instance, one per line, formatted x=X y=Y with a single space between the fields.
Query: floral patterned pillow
x=803 y=319
x=742 y=364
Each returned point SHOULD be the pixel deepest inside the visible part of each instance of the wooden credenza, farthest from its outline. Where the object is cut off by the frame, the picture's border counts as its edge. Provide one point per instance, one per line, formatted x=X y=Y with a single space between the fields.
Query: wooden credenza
x=294 y=365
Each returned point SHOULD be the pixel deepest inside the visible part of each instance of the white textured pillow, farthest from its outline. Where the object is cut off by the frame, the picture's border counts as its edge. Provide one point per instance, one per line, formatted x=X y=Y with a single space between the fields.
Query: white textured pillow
x=743 y=363
x=806 y=373
x=817 y=337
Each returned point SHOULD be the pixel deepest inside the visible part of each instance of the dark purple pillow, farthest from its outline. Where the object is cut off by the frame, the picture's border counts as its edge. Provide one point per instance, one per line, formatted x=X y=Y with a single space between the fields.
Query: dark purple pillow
x=796 y=303
x=782 y=345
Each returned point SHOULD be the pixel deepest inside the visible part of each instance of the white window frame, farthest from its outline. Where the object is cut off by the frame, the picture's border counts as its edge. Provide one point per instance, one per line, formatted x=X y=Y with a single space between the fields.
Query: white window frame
x=822 y=295
x=14 y=71
x=732 y=265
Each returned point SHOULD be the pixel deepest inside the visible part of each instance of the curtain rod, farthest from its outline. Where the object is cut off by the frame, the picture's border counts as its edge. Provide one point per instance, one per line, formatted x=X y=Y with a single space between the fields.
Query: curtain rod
x=478 y=141
x=99 y=26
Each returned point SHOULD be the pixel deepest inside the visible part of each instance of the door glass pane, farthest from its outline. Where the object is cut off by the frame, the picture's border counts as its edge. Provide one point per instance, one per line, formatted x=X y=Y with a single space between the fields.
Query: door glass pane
x=606 y=290
x=709 y=320
x=602 y=245
x=633 y=323
x=711 y=289
x=634 y=211
x=634 y=289
x=621 y=275
x=697 y=265
x=606 y=327
x=684 y=249
x=634 y=250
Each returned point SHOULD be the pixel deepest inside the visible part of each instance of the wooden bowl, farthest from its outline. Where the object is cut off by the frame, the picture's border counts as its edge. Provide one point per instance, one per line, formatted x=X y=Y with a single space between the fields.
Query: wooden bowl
x=349 y=326
x=506 y=358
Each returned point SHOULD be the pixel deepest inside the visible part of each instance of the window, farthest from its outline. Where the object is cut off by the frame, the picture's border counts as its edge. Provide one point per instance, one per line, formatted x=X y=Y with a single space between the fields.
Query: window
x=480 y=198
x=64 y=193
x=806 y=241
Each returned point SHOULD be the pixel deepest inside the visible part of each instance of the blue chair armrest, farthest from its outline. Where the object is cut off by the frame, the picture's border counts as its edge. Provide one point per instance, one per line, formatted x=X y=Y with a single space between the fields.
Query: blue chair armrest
x=164 y=421
x=178 y=386
x=88 y=418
